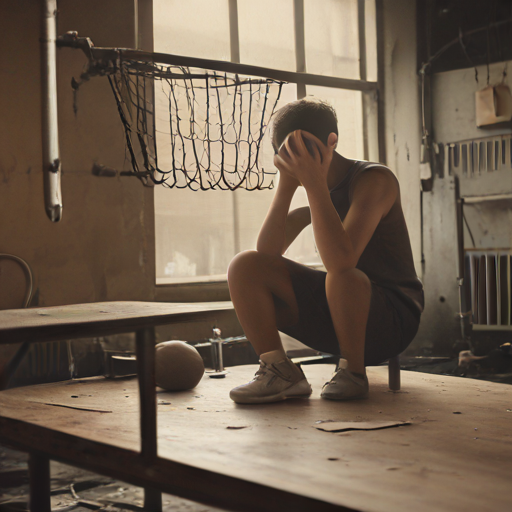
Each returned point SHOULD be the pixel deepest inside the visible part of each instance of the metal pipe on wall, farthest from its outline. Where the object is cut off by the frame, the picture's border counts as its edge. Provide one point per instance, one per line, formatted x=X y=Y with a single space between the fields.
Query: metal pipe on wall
x=49 y=117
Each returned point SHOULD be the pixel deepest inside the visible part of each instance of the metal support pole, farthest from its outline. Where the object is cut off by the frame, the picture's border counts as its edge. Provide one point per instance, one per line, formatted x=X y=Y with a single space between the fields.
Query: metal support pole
x=361 y=18
x=394 y=373
x=234 y=39
x=464 y=309
x=300 y=44
x=49 y=117
x=136 y=34
x=234 y=42
x=39 y=477
x=145 y=339
x=379 y=6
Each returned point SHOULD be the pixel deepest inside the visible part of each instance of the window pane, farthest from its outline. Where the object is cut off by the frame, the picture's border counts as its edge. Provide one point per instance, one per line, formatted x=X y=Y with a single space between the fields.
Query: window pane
x=267 y=37
x=196 y=28
x=303 y=248
x=332 y=44
x=198 y=233
x=348 y=106
x=371 y=40
x=252 y=207
x=194 y=232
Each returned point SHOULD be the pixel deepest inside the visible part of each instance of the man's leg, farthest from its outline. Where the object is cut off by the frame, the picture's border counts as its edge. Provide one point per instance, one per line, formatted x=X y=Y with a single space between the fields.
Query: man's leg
x=262 y=292
x=263 y=296
x=349 y=295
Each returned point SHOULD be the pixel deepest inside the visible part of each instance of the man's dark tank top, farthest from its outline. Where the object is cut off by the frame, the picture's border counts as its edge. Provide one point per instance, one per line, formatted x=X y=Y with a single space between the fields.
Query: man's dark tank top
x=387 y=259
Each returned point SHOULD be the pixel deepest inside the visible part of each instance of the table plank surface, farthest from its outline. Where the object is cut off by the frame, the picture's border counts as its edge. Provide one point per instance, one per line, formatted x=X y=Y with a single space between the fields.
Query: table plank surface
x=454 y=457
x=98 y=319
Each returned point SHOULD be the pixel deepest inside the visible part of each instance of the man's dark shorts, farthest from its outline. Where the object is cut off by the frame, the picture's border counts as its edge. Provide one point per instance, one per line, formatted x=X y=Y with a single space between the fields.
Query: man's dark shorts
x=392 y=321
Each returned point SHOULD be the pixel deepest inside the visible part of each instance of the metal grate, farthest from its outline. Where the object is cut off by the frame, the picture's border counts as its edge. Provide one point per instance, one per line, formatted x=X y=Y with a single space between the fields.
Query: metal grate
x=489 y=291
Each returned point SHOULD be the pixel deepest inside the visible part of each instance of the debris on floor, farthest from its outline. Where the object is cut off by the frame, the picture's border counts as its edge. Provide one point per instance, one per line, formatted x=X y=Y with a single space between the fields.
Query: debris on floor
x=495 y=366
x=77 y=490
x=78 y=407
x=345 y=426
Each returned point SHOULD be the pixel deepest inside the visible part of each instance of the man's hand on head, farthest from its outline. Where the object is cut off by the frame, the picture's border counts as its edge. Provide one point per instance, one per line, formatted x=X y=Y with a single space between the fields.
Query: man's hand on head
x=305 y=158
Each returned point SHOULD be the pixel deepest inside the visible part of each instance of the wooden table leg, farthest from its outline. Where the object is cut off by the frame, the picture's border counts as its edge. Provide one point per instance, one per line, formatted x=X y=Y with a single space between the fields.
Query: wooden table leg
x=152 y=500
x=147 y=393
x=39 y=476
x=394 y=373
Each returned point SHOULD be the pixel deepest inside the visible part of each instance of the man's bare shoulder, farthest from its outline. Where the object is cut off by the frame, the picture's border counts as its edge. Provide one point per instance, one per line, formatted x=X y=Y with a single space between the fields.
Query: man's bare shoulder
x=376 y=188
x=376 y=178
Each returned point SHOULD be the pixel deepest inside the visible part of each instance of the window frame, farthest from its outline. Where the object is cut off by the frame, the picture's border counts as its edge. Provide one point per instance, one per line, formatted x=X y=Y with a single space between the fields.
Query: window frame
x=372 y=116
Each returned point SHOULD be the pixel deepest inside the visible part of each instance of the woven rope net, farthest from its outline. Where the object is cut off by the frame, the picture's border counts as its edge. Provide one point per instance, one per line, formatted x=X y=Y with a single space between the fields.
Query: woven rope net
x=197 y=129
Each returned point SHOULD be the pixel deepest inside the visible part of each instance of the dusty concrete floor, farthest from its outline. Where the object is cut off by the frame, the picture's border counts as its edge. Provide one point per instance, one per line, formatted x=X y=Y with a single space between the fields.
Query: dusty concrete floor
x=495 y=367
x=77 y=490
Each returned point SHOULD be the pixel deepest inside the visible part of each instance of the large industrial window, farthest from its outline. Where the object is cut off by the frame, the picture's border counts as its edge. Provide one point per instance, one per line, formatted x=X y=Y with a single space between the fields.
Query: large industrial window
x=198 y=233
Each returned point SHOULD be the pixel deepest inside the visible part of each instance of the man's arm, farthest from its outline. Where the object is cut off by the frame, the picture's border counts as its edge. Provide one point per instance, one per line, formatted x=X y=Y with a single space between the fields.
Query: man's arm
x=340 y=244
x=273 y=233
x=297 y=220
x=374 y=193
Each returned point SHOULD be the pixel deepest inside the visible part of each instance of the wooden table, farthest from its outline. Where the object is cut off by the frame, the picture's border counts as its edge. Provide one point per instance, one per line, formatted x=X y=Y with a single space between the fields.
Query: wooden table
x=454 y=457
x=92 y=320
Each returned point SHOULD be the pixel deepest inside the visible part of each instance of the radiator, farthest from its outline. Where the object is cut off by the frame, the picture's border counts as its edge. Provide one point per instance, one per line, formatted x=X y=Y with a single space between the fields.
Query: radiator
x=488 y=287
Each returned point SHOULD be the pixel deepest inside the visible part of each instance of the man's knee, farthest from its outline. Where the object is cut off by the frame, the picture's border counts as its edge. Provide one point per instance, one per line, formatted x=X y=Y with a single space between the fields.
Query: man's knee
x=351 y=279
x=244 y=263
x=253 y=264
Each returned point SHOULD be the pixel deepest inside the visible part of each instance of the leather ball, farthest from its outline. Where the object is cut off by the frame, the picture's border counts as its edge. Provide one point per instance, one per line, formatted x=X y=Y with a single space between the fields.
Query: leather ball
x=178 y=366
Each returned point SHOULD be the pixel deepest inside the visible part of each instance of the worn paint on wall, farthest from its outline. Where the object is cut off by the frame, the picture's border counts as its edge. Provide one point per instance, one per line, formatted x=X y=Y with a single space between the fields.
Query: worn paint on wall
x=439 y=328
x=403 y=135
x=94 y=253
x=453 y=105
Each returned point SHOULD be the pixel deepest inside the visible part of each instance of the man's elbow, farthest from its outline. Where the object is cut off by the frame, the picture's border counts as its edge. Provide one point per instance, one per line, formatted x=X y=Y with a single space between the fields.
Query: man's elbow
x=268 y=249
x=344 y=262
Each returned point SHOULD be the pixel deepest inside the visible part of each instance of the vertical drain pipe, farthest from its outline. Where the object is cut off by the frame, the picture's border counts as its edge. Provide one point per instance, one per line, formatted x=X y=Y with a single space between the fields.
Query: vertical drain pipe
x=49 y=119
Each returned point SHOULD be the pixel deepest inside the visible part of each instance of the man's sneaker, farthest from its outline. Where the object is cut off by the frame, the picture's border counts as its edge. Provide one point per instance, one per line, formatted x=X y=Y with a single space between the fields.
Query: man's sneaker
x=345 y=385
x=273 y=382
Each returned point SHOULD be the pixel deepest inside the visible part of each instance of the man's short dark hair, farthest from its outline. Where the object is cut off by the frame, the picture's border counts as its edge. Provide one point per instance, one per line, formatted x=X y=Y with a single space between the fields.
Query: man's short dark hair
x=311 y=115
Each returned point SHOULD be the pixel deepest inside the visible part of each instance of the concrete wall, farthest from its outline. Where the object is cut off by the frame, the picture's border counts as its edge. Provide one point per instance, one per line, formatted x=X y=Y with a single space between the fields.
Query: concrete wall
x=453 y=105
x=103 y=249
x=403 y=139
x=402 y=111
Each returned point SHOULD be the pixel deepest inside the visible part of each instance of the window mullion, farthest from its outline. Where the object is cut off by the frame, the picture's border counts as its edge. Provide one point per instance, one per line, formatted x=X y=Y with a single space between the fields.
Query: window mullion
x=381 y=123
x=300 y=44
x=365 y=99
x=234 y=39
x=234 y=44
